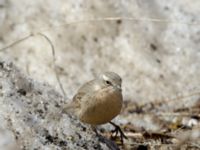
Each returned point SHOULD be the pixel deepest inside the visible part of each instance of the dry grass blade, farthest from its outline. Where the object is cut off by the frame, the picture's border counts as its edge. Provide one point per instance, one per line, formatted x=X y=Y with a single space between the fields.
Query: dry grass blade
x=52 y=50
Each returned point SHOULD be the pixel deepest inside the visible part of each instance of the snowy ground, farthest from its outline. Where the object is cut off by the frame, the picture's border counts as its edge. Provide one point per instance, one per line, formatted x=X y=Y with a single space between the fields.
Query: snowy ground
x=156 y=59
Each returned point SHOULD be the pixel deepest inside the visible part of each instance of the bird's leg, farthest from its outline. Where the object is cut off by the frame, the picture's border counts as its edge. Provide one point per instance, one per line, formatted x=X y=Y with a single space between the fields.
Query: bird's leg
x=118 y=130
x=95 y=130
x=111 y=144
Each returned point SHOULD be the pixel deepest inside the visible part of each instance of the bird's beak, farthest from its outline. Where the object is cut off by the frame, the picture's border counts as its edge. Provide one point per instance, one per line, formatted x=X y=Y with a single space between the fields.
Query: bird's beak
x=119 y=87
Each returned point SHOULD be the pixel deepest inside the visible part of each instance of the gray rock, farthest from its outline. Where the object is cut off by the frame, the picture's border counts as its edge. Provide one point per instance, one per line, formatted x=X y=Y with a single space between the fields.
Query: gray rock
x=30 y=116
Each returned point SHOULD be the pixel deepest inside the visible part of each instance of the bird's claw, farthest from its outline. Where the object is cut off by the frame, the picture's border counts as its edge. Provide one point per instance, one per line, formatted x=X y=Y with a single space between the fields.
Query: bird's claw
x=118 y=130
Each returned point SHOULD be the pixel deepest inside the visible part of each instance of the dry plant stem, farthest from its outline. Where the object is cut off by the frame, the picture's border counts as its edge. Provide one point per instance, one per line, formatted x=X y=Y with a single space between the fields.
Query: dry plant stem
x=54 y=64
x=160 y=102
x=101 y=19
x=53 y=55
x=16 y=42
x=175 y=114
x=157 y=20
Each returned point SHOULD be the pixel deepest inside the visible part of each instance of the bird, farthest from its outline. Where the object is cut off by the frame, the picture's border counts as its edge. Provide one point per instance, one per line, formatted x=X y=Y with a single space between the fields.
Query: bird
x=98 y=101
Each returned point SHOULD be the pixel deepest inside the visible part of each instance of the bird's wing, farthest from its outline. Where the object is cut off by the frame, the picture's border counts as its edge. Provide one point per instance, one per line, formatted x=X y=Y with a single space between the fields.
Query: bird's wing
x=77 y=99
x=84 y=90
x=74 y=105
x=87 y=87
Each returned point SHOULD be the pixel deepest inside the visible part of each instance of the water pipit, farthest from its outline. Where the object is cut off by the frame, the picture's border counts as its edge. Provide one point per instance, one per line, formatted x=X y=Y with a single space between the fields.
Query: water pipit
x=98 y=101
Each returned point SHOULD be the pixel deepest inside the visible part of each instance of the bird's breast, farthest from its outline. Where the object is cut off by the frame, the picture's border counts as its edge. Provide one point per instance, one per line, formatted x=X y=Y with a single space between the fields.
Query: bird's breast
x=104 y=105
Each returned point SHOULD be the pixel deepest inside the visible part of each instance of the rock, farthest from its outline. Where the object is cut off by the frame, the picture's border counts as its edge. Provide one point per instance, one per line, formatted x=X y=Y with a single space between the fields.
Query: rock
x=31 y=116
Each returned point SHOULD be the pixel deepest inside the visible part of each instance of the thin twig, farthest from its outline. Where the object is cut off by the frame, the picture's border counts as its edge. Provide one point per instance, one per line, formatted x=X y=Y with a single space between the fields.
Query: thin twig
x=16 y=42
x=53 y=55
x=157 y=20
x=161 y=102
x=54 y=63
x=175 y=114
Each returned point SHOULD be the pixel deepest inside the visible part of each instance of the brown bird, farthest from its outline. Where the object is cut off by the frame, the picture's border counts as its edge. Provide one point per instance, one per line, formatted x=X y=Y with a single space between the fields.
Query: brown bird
x=98 y=101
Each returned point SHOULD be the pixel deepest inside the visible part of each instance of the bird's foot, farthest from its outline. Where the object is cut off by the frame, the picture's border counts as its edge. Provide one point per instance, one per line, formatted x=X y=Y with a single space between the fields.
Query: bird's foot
x=118 y=130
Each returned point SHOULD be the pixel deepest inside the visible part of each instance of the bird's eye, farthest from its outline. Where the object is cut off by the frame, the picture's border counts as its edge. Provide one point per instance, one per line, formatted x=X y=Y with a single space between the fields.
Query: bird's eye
x=108 y=82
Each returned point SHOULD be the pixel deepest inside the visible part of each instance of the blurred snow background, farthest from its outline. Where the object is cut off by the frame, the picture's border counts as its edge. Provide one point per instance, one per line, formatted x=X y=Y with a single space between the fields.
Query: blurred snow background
x=155 y=59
